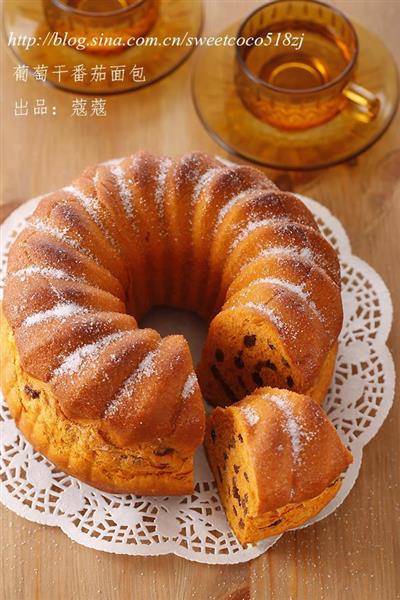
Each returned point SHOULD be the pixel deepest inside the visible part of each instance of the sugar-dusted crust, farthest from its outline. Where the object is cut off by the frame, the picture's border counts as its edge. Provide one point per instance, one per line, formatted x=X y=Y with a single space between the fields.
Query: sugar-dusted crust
x=190 y=232
x=83 y=448
x=277 y=461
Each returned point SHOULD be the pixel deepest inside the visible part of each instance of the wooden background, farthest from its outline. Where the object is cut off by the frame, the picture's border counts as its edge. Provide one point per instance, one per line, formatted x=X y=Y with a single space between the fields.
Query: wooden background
x=353 y=553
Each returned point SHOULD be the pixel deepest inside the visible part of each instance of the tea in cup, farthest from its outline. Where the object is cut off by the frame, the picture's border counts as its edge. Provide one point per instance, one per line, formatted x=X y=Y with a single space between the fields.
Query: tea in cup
x=295 y=65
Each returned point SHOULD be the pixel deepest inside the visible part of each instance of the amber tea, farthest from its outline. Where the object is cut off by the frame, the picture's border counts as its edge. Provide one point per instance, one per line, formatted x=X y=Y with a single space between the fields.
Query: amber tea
x=294 y=65
x=298 y=59
x=99 y=5
x=107 y=26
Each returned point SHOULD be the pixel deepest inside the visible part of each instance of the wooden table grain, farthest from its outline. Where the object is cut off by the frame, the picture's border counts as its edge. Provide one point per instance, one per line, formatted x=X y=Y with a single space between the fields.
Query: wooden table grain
x=354 y=553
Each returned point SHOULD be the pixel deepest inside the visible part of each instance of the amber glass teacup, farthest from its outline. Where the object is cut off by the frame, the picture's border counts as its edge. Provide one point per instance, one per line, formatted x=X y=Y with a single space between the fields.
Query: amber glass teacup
x=106 y=25
x=296 y=63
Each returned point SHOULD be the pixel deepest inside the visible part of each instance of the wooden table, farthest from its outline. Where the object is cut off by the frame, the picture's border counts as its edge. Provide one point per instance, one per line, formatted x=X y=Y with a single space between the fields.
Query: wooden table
x=353 y=553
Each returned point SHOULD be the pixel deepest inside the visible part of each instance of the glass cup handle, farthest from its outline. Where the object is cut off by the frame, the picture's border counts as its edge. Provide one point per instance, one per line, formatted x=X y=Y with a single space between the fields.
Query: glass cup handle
x=364 y=103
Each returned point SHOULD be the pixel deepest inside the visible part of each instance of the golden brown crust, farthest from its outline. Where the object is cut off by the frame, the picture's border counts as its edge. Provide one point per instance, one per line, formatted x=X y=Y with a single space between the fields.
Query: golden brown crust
x=85 y=393
x=42 y=349
x=81 y=448
x=316 y=286
x=186 y=172
x=223 y=184
x=151 y=408
x=63 y=217
x=39 y=293
x=321 y=454
x=44 y=252
x=305 y=239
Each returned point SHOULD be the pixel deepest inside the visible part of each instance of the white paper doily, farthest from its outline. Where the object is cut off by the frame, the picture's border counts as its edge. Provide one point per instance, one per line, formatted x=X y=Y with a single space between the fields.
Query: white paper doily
x=195 y=527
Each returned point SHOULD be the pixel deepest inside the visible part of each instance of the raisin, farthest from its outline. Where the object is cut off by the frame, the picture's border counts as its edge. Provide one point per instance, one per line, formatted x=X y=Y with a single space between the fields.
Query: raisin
x=225 y=456
x=235 y=490
x=240 y=438
x=31 y=392
x=219 y=355
x=275 y=523
x=272 y=347
x=290 y=381
x=219 y=474
x=163 y=451
x=265 y=364
x=246 y=476
x=257 y=379
x=239 y=362
x=236 y=468
x=229 y=393
x=213 y=435
x=249 y=340
x=234 y=510
x=270 y=365
x=241 y=524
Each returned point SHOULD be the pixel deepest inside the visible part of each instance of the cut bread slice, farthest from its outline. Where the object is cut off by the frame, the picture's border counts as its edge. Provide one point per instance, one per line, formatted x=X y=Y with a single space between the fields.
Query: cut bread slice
x=276 y=459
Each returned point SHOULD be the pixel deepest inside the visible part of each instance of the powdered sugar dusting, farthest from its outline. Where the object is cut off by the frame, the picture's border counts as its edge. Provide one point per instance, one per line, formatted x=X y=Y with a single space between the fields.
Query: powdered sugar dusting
x=50 y=272
x=165 y=165
x=189 y=387
x=60 y=311
x=229 y=205
x=250 y=415
x=203 y=181
x=305 y=254
x=291 y=251
x=292 y=426
x=92 y=207
x=60 y=234
x=89 y=203
x=145 y=369
x=124 y=190
x=253 y=225
x=264 y=310
x=96 y=177
x=298 y=289
x=72 y=362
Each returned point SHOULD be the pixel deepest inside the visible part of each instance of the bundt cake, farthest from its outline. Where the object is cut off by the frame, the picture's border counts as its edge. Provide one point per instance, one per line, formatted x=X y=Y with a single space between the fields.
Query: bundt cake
x=276 y=459
x=115 y=405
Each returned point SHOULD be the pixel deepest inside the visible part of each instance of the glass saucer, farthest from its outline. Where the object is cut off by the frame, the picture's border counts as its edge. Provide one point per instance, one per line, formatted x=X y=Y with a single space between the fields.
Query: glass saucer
x=239 y=132
x=176 y=18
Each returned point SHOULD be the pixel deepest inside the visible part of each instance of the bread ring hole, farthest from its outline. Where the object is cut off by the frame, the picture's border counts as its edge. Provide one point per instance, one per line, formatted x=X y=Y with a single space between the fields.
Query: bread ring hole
x=171 y=321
